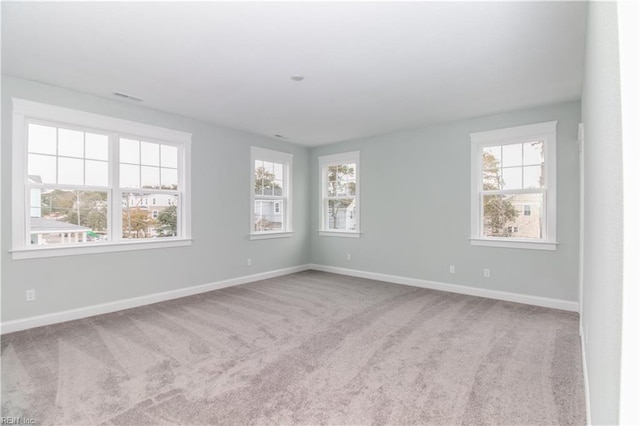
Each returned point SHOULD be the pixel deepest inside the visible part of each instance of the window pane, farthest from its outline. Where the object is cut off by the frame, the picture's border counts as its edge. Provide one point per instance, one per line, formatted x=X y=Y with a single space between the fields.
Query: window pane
x=533 y=153
x=342 y=188
x=341 y=174
x=168 y=156
x=491 y=157
x=35 y=203
x=70 y=143
x=68 y=217
x=332 y=172
x=129 y=151
x=42 y=168
x=331 y=189
x=265 y=179
x=137 y=216
x=96 y=173
x=532 y=177
x=96 y=146
x=70 y=171
x=277 y=187
x=506 y=216
x=268 y=215
x=512 y=178
x=150 y=177
x=150 y=154
x=351 y=188
x=512 y=155
x=341 y=214
x=491 y=179
x=42 y=139
x=265 y=174
x=278 y=171
x=129 y=176
x=169 y=178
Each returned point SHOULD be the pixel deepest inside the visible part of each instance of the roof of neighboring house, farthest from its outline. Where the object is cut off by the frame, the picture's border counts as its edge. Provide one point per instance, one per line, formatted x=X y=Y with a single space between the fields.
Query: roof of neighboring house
x=40 y=224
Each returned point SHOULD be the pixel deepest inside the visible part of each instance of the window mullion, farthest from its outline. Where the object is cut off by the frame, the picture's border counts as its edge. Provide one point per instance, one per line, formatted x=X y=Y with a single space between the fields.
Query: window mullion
x=513 y=191
x=97 y=205
x=115 y=195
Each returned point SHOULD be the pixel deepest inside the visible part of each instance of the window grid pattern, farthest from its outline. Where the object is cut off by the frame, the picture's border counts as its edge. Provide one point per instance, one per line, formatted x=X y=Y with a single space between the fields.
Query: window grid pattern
x=341 y=197
x=69 y=192
x=271 y=197
x=148 y=165
x=513 y=190
x=340 y=187
x=64 y=156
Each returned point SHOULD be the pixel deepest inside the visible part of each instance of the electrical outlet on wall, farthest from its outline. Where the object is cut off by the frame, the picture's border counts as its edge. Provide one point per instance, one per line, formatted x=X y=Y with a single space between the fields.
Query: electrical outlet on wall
x=452 y=269
x=348 y=256
x=31 y=295
x=487 y=273
x=249 y=262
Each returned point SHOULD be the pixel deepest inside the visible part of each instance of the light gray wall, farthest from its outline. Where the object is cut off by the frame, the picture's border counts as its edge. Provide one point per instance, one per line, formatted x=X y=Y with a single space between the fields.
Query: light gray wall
x=415 y=212
x=220 y=219
x=603 y=239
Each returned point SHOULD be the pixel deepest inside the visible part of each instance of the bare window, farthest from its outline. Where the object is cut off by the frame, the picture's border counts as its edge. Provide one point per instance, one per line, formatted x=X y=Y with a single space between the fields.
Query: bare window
x=270 y=193
x=340 y=193
x=513 y=187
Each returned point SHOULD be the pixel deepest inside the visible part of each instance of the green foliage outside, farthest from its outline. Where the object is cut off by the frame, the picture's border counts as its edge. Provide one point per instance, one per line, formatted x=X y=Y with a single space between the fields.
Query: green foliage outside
x=84 y=208
x=136 y=223
x=89 y=209
x=167 y=222
x=265 y=181
x=497 y=211
x=337 y=179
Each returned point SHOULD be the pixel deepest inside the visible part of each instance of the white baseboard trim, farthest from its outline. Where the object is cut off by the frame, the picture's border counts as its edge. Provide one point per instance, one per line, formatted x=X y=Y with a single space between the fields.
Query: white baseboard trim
x=587 y=398
x=104 y=308
x=546 y=302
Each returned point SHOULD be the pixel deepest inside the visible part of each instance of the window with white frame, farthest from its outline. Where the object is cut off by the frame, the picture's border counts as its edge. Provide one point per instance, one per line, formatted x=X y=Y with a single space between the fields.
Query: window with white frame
x=340 y=191
x=513 y=187
x=83 y=183
x=271 y=201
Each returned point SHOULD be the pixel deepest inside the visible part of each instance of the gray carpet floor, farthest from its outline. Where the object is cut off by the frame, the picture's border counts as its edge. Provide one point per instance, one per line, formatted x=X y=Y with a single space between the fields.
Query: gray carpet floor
x=308 y=348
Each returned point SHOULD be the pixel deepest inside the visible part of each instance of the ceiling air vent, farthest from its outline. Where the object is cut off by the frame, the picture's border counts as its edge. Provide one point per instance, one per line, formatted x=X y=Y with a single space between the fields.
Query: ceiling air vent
x=128 y=97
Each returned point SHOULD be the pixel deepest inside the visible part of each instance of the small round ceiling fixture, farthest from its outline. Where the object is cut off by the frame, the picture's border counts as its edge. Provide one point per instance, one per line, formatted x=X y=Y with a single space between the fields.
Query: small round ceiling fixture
x=297 y=77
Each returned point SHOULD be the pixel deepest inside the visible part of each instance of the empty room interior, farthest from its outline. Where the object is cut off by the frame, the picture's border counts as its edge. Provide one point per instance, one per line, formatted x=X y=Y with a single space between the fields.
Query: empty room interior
x=319 y=213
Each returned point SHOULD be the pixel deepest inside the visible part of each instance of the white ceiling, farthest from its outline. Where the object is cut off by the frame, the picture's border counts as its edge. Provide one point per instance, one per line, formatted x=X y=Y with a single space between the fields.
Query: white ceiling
x=370 y=68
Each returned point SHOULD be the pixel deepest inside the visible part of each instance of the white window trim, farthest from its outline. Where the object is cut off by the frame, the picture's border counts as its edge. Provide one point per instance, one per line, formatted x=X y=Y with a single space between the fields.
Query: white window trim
x=333 y=160
x=541 y=131
x=24 y=110
x=286 y=207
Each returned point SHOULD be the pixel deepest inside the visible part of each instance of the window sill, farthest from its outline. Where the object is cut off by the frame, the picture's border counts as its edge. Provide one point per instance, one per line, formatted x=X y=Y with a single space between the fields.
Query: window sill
x=511 y=243
x=269 y=235
x=343 y=234
x=91 y=248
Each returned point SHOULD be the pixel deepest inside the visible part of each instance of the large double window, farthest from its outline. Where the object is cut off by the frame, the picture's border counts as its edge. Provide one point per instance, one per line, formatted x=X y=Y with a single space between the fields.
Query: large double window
x=513 y=187
x=340 y=192
x=271 y=201
x=87 y=183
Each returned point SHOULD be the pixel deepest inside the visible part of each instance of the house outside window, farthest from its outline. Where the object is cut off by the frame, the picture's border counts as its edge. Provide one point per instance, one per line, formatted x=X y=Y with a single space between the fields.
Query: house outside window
x=340 y=195
x=271 y=194
x=513 y=187
x=88 y=182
